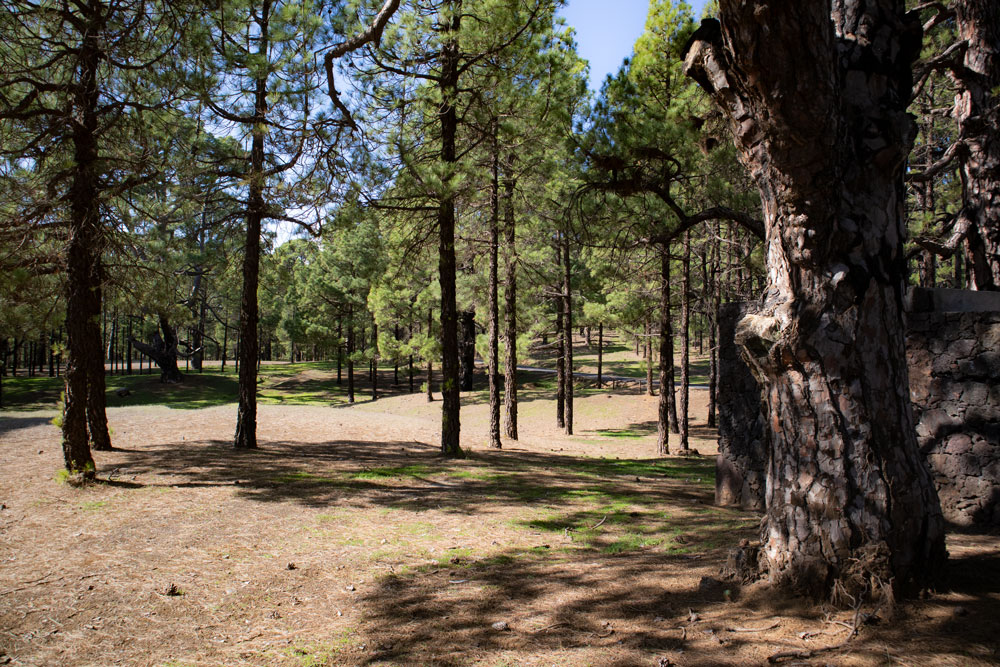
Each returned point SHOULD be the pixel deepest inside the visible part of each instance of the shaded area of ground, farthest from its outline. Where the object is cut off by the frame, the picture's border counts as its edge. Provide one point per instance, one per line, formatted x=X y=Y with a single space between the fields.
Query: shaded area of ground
x=346 y=540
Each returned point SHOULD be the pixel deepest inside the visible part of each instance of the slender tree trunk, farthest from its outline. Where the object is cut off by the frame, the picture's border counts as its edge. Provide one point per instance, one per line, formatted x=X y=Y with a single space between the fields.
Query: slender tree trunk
x=560 y=352
x=647 y=347
x=668 y=363
x=851 y=508
x=451 y=406
x=568 y=333
x=340 y=348
x=713 y=326
x=685 y=344
x=666 y=357
x=246 y=413
x=430 y=363
x=374 y=361
x=493 y=370
x=510 y=309
x=350 y=354
x=600 y=354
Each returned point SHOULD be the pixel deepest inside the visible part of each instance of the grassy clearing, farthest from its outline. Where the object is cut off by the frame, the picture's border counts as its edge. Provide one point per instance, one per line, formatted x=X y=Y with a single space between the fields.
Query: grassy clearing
x=307 y=383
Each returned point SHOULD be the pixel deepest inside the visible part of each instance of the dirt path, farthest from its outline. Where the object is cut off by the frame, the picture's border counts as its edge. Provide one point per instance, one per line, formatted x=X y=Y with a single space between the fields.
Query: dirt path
x=345 y=540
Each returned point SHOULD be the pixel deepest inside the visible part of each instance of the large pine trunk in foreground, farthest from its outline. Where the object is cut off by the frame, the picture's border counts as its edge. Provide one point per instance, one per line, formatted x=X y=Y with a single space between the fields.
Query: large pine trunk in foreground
x=819 y=118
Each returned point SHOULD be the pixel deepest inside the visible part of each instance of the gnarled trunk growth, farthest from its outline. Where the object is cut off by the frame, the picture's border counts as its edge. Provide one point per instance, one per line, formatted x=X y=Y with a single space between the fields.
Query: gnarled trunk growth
x=819 y=119
x=162 y=350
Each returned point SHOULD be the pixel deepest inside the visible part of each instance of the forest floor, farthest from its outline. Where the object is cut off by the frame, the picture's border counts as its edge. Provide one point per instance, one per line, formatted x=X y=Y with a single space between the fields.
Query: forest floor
x=346 y=540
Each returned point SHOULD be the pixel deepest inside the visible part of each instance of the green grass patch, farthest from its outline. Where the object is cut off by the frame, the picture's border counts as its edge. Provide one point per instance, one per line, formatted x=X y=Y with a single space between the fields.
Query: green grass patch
x=416 y=470
x=305 y=477
x=631 y=542
x=92 y=505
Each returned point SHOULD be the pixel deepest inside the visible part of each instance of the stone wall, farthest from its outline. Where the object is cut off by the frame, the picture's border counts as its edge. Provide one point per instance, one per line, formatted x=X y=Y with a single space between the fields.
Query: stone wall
x=953 y=354
x=954 y=364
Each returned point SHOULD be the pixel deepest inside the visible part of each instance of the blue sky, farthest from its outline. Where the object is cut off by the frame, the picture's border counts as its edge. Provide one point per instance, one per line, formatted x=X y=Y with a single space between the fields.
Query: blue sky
x=606 y=31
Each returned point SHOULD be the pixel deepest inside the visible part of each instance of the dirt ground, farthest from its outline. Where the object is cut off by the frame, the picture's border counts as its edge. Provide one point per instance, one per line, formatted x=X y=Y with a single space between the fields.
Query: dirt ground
x=346 y=540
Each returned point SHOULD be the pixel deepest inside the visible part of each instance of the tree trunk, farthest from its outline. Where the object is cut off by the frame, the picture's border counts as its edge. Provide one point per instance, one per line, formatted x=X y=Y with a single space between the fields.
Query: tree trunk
x=340 y=349
x=97 y=416
x=430 y=363
x=851 y=509
x=451 y=406
x=510 y=310
x=600 y=354
x=977 y=110
x=163 y=350
x=493 y=369
x=83 y=299
x=713 y=325
x=666 y=357
x=560 y=352
x=568 y=333
x=350 y=354
x=685 y=345
x=647 y=347
x=468 y=350
x=374 y=362
x=246 y=413
x=669 y=350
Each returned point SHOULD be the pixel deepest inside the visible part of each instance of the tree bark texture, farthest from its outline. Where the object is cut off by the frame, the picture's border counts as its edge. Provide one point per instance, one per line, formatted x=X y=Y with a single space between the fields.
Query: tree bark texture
x=83 y=279
x=977 y=110
x=560 y=351
x=510 y=312
x=666 y=358
x=567 y=303
x=350 y=354
x=493 y=363
x=600 y=354
x=684 y=421
x=819 y=120
x=448 y=117
x=246 y=412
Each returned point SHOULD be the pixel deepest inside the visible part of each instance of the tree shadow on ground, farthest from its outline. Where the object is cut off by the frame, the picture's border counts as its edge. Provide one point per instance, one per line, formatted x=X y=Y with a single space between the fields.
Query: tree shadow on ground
x=11 y=424
x=626 y=610
x=413 y=476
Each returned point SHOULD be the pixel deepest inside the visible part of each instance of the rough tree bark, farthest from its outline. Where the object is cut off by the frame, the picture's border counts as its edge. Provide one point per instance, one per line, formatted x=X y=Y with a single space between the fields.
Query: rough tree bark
x=560 y=351
x=666 y=358
x=350 y=354
x=684 y=422
x=493 y=370
x=510 y=311
x=83 y=284
x=162 y=350
x=246 y=412
x=600 y=355
x=977 y=110
x=567 y=305
x=819 y=118
x=448 y=117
